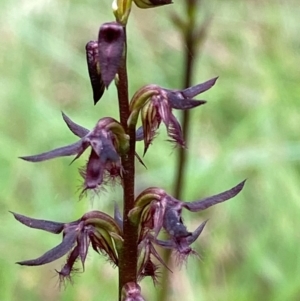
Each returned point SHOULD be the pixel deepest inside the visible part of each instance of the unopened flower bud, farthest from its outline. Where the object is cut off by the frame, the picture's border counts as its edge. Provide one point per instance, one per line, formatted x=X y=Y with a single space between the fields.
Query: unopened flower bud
x=131 y=291
x=111 y=41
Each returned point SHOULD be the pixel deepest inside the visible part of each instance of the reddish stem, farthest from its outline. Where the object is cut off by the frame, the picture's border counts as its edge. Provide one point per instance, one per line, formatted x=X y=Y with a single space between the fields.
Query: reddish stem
x=128 y=256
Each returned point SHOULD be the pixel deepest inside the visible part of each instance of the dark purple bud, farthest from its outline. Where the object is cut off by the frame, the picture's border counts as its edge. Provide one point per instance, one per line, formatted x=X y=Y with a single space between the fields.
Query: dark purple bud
x=131 y=291
x=49 y=226
x=215 y=199
x=68 y=150
x=111 y=45
x=92 y=58
x=75 y=128
x=63 y=248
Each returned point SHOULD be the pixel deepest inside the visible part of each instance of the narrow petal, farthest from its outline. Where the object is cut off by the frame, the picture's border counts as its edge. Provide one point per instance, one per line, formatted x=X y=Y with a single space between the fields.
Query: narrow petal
x=196 y=233
x=63 y=248
x=167 y=244
x=195 y=90
x=83 y=245
x=68 y=150
x=175 y=132
x=68 y=268
x=140 y=159
x=49 y=226
x=215 y=199
x=75 y=128
x=179 y=103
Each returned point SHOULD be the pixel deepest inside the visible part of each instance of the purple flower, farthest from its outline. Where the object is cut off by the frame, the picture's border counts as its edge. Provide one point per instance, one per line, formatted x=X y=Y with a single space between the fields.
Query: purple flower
x=108 y=141
x=94 y=228
x=156 y=104
x=155 y=210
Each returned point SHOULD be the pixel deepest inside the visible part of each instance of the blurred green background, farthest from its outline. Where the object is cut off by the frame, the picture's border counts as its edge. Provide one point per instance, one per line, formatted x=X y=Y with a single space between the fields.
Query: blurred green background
x=250 y=128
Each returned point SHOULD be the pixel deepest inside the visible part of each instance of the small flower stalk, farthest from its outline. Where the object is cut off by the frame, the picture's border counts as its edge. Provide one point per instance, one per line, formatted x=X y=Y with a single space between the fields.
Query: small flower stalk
x=130 y=239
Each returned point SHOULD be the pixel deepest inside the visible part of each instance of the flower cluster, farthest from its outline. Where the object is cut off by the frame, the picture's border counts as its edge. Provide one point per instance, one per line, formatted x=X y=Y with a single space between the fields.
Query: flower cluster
x=153 y=211
x=112 y=150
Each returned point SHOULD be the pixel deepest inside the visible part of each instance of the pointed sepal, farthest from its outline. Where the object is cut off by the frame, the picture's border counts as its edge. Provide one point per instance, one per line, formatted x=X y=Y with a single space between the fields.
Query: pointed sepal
x=92 y=58
x=215 y=199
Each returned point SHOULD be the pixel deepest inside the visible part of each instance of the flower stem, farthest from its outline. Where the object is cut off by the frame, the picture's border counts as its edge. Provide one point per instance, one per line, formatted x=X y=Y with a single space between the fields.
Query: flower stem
x=128 y=256
x=189 y=63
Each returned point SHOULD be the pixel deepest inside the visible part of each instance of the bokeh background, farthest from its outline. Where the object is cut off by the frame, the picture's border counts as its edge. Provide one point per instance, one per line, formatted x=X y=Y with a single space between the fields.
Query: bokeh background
x=250 y=128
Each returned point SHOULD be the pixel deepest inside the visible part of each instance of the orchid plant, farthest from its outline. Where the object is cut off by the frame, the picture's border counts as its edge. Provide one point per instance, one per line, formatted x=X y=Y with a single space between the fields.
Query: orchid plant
x=129 y=240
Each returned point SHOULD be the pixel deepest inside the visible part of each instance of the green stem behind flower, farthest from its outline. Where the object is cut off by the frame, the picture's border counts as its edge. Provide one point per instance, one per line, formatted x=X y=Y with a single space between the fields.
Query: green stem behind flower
x=190 y=56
